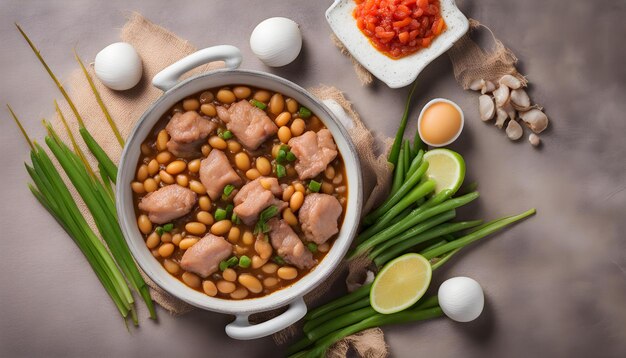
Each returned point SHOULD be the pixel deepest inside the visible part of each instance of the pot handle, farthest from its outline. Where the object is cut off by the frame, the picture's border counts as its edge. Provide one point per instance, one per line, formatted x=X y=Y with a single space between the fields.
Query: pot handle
x=241 y=328
x=168 y=77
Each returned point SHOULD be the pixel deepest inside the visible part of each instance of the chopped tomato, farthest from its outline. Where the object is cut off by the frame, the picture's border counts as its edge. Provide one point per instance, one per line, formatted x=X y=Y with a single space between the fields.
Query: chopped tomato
x=402 y=23
x=403 y=37
x=399 y=28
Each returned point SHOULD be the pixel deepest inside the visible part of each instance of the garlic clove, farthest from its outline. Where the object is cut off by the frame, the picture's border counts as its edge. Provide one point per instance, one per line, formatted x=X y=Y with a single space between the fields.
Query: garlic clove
x=520 y=99
x=535 y=119
x=510 y=81
x=276 y=41
x=461 y=299
x=501 y=117
x=486 y=108
x=118 y=66
x=510 y=111
x=513 y=130
x=488 y=87
x=477 y=85
x=501 y=95
x=534 y=139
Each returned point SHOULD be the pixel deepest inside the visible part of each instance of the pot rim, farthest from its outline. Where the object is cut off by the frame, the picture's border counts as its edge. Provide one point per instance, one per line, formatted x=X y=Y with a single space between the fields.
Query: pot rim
x=278 y=298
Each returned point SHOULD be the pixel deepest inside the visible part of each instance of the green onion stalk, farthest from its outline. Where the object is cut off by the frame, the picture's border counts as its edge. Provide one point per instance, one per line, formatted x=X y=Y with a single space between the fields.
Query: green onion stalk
x=106 y=163
x=102 y=208
x=50 y=190
x=96 y=94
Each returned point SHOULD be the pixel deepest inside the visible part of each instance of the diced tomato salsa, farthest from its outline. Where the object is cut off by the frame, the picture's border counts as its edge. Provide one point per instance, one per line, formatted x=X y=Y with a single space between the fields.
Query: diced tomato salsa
x=399 y=28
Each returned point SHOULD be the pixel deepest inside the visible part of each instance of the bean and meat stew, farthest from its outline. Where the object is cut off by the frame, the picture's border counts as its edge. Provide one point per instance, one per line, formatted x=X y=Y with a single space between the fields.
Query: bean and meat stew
x=239 y=191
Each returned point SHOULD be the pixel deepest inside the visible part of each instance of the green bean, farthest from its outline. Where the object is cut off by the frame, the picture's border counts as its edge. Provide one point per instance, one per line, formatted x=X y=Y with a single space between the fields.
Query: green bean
x=377 y=227
x=352 y=297
x=399 y=194
x=438 y=241
x=398 y=175
x=297 y=347
x=418 y=144
x=418 y=231
x=394 y=153
x=309 y=325
x=377 y=320
x=478 y=234
x=404 y=242
x=444 y=258
x=357 y=314
x=407 y=157
x=417 y=160
x=412 y=220
x=411 y=198
x=340 y=322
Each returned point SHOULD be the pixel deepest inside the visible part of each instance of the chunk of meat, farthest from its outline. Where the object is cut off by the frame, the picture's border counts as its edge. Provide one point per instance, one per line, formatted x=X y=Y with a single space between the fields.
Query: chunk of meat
x=314 y=151
x=249 y=124
x=187 y=132
x=318 y=217
x=204 y=257
x=254 y=197
x=168 y=203
x=288 y=245
x=216 y=172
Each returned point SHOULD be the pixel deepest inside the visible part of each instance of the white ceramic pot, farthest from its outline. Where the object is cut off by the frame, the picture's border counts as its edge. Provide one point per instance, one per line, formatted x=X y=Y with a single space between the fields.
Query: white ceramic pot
x=174 y=91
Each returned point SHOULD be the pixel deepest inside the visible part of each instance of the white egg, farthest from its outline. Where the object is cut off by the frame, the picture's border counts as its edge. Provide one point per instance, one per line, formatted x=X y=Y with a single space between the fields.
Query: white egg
x=118 y=66
x=461 y=299
x=276 y=41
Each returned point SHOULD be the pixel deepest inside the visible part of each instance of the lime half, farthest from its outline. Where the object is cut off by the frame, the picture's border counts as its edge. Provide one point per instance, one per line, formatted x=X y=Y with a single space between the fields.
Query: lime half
x=446 y=168
x=401 y=283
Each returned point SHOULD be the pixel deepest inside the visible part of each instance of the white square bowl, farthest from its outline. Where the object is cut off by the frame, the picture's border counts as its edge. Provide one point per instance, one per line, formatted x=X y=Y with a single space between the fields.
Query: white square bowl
x=401 y=72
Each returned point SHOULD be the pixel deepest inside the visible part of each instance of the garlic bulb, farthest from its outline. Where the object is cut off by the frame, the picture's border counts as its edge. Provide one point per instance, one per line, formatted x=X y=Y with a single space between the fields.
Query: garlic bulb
x=461 y=299
x=276 y=41
x=118 y=66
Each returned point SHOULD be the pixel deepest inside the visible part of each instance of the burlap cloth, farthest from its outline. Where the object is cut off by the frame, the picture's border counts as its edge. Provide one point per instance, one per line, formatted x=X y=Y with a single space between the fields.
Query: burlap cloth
x=158 y=48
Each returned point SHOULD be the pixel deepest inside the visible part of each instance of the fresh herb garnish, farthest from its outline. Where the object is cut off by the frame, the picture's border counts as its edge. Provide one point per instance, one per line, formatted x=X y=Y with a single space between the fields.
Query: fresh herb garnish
x=258 y=104
x=220 y=214
x=280 y=170
x=281 y=156
x=315 y=186
x=264 y=217
x=244 y=261
x=235 y=219
x=279 y=260
x=228 y=189
x=304 y=112
x=223 y=265
x=290 y=156
x=233 y=261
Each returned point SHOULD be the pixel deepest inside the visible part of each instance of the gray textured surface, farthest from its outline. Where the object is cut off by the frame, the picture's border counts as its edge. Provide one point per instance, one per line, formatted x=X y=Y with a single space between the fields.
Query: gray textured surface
x=555 y=285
